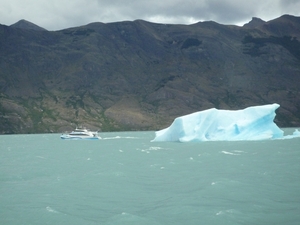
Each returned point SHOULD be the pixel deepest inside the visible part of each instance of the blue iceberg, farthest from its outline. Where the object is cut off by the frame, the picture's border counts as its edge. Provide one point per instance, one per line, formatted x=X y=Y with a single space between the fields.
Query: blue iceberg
x=253 y=123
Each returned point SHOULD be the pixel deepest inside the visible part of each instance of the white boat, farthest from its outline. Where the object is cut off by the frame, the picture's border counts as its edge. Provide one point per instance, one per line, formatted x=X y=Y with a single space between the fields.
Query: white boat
x=81 y=133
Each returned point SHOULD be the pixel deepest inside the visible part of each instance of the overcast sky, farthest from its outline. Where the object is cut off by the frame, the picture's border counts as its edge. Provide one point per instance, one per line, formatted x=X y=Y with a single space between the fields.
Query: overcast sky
x=61 y=14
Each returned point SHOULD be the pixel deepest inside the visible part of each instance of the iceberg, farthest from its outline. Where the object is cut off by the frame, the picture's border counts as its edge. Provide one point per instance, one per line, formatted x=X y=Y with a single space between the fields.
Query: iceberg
x=252 y=123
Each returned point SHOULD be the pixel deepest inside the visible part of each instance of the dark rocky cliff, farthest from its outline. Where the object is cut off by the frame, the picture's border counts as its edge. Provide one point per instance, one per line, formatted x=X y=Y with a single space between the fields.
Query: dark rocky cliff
x=140 y=75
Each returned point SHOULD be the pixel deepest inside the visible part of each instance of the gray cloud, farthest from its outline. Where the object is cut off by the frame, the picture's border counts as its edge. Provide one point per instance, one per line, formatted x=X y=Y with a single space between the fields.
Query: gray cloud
x=60 y=14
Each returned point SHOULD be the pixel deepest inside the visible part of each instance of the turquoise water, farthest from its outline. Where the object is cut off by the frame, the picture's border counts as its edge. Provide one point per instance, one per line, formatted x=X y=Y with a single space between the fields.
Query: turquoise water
x=126 y=179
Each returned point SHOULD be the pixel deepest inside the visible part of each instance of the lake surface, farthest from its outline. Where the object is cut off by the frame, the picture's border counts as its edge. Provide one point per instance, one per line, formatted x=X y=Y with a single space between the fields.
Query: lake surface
x=124 y=178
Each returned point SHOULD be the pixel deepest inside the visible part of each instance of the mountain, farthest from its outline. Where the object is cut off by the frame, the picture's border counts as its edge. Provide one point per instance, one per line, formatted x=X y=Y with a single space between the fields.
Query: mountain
x=137 y=75
x=255 y=22
x=24 y=24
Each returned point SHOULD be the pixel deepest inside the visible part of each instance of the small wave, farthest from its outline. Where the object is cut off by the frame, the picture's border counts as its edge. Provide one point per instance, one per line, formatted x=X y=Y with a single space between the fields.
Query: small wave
x=155 y=148
x=219 y=213
x=239 y=151
x=228 y=211
x=229 y=153
x=49 y=209
x=118 y=137
x=150 y=149
x=156 y=166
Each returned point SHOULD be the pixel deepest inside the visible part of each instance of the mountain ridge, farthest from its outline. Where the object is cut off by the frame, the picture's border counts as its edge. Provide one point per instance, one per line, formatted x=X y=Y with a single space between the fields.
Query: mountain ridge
x=138 y=75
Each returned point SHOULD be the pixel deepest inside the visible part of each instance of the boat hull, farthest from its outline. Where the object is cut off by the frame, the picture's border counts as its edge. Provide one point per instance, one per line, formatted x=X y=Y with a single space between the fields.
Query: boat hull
x=68 y=137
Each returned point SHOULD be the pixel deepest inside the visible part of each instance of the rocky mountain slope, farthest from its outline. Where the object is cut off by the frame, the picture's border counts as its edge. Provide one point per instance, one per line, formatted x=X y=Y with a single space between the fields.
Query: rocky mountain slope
x=140 y=76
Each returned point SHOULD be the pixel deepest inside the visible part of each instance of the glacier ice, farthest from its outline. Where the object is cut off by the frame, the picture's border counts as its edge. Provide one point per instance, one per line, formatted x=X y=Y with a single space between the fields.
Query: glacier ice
x=252 y=123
